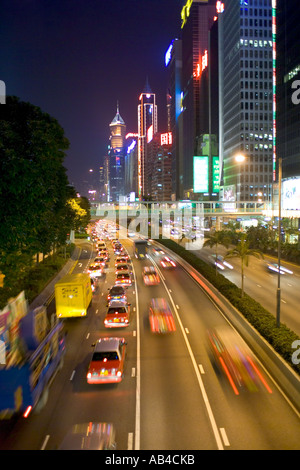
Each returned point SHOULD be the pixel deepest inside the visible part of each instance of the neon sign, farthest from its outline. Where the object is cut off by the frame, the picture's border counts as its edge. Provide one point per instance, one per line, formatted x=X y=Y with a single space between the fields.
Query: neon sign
x=201 y=66
x=166 y=139
x=168 y=54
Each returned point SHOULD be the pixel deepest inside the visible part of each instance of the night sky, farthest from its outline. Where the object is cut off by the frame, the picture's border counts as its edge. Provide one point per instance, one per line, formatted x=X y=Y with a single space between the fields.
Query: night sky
x=76 y=58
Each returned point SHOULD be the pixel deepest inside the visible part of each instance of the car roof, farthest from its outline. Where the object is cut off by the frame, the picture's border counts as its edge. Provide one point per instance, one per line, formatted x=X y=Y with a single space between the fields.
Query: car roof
x=117 y=303
x=107 y=344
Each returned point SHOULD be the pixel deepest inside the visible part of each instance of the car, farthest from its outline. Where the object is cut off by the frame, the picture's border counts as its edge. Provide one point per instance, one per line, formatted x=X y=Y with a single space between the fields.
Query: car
x=234 y=358
x=118 y=314
x=90 y=436
x=117 y=293
x=122 y=267
x=103 y=253
x=107 y=363
x=123 y=279
x=275 y=268
x=220 y=262
x=158 y=251
x=124 y=258
x=100 y=260
x=160 y=316
x=118 y=249
x=167 y=263
x=95 y=270
x=101 y=244
x=93 y=284
x=150 y=276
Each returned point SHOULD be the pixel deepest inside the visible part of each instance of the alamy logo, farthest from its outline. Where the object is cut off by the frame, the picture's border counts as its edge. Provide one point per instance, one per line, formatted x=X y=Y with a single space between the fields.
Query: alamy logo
x=296 y=94
x=2 y=92
x=296 y=354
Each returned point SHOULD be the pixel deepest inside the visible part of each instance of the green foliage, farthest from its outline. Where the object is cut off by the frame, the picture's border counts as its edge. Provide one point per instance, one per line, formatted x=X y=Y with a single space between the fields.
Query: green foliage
x=264 y=322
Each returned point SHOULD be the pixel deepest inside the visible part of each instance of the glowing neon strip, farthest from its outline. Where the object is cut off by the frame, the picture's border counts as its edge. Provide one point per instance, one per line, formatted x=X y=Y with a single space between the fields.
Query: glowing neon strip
x=274 y=27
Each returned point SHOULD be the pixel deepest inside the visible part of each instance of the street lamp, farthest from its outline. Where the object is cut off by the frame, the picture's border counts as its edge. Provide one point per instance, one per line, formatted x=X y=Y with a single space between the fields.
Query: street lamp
x=279 y=242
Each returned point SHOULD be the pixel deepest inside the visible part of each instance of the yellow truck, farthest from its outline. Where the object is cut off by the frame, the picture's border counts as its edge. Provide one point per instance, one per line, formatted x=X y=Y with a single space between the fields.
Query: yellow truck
x=73 y=295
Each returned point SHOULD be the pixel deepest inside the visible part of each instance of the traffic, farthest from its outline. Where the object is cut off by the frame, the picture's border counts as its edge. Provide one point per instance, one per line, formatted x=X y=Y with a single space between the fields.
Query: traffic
x=149 y=359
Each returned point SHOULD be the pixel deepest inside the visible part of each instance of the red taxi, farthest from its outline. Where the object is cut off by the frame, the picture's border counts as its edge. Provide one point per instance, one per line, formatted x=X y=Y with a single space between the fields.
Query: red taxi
x=117 y=315
x=150 y=276
x=107 y=363
x=123 y=279
x=167 y=263
x=160 y=316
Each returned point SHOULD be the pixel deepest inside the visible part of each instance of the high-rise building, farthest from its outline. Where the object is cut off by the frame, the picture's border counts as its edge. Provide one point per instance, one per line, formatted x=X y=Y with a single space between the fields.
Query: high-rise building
x=117 y=151
x=159 y=174
x=288 y=86
x=247 y=101
x=147 y=127
x=197 y=19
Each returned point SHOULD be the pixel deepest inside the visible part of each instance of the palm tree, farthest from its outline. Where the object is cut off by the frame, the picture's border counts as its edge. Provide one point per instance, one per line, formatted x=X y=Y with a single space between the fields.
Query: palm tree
x=219 y=238
x=243 y=252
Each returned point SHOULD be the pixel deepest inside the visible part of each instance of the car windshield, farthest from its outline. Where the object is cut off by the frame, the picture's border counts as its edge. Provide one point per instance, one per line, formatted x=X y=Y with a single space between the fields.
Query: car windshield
x=122 y=275
x=109 y=356
x=117 y=310
x=117 y=291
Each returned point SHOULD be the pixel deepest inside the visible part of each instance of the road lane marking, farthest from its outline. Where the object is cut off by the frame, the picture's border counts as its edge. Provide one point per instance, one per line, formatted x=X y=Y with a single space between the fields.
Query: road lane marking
x=138 y=373
x=198 y=375
x=133 y=372
x=87 y=336
x=72 y=375
x=45 y=442
x=130 y=441
x=224 y=437
x=201 y=369
x=187 y=331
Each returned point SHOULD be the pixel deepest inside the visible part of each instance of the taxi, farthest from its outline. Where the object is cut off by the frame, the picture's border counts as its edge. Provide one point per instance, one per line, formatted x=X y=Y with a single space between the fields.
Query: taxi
x=123 y=279
x=100 y=260
x=167 y=263
x=160 y=316
x=95 y=270
x=124 y=258
x=117 y=293
x=117 y=315
x=150 y=276
x=122 y=267
x=107 y=363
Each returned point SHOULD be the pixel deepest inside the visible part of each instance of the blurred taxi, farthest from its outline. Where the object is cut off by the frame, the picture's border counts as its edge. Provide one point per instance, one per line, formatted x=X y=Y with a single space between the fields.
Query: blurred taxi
x=122 y=267
x=117 y=293
x=123 y=279
x=90 y=436
x=95 y=270
x=118 y=314
x=107 y=363
x=124 y=258
x=100 y=260
x=150 y=276
x=167 y=263
x=160 y=316
x=235 y=360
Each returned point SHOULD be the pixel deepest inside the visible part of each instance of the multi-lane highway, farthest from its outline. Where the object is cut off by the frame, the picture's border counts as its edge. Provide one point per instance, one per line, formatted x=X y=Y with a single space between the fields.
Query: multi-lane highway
x=173 y=395
x=261 y=284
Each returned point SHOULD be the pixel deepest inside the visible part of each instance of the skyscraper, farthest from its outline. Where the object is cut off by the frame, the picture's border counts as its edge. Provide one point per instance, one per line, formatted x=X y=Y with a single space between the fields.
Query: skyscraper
x=147 y=127
x=197 y=19
x=117 y=151
x=247 y=105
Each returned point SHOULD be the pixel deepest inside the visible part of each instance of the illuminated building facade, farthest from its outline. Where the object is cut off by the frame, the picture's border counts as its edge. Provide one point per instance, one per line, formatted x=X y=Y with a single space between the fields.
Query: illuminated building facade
x=116 y=154
x=288 y=87
x=197 y=18
x=159 y=174
x=247 y=101
x=147 y=127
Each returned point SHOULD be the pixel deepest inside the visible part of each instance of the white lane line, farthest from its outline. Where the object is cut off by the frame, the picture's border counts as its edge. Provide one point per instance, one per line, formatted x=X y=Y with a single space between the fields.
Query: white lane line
x=87 y=336
x=187 y=331
x=72 y=375
x=133 y=372
x=138 y=371
x=198 y=375
x=224 y=437
x=45 y=442
x=201 y=369
x=130 y=441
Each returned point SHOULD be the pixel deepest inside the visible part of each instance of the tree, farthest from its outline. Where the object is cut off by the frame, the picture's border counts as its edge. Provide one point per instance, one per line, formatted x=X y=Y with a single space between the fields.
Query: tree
x=243 y=252
x=34 y=184
x=219 y=238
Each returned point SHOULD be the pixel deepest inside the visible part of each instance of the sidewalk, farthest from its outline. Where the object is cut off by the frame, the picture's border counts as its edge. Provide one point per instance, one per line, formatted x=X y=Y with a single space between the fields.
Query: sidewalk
x=45 y=297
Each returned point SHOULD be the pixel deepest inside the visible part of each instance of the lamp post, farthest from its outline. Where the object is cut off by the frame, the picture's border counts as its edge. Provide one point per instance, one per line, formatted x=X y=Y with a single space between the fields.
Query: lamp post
x=279 y=243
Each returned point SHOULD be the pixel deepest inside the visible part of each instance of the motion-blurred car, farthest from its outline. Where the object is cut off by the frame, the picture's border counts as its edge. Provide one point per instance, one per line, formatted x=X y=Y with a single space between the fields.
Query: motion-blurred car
x=107 y=363
x=118 y=314
x=160 y=316
x=274 y=267
x=123 y=279
x=167 y=263
x=235 y=360
x=90 y=436
x=220 y=262
x=118 y=249
x=95 y=270
x=122 y=267
x=100 y=260
x=158 y=251
x=103 y=252
x=117 y=293
x=124 y=258
x=150 y=276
